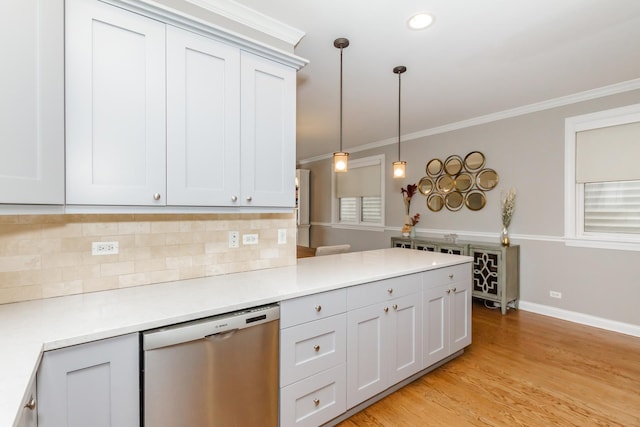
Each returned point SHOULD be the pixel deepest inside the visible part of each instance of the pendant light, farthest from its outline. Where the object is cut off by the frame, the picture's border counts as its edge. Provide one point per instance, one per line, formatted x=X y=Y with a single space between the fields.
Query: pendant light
x=399 y=167
x=340 y=158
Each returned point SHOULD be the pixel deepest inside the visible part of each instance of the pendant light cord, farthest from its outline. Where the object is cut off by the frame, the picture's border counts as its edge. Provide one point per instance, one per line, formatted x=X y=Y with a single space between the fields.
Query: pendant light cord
x=399 y=116
x=341 y=99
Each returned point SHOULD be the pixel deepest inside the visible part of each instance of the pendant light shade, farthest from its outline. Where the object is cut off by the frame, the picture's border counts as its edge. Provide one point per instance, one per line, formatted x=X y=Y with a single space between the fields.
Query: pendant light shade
x=400 y=166
x=340 y=158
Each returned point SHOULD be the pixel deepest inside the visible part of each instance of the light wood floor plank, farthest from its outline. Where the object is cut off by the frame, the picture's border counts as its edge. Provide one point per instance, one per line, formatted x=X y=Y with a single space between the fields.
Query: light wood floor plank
x=523 y=369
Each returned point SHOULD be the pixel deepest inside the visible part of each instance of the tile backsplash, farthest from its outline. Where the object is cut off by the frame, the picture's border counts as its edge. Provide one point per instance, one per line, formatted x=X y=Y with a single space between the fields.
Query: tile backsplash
x=43 y=256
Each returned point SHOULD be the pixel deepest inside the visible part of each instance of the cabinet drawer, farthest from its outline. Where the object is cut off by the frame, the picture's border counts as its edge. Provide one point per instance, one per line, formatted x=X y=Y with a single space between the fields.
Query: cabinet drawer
x=443 y=276
x=383 y=290
x=312 y=307
x=312 y=347
x=314 y=400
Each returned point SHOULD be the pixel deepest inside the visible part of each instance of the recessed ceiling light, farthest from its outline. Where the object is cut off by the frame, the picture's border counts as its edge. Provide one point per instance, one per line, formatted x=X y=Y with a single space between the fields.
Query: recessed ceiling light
x=420 y=21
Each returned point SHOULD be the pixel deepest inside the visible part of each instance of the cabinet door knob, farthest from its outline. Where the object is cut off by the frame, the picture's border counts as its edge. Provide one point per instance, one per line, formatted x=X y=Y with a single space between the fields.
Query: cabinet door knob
x=454 y=289
x=249 y=198
x=156 y=196
x=234 y=198
x=451 y=276
x=316 y=347
x=318 y=308
x=448 y=291
x=31 y=404
x=386 y=309
x=390 y=290
x=316 y=402
x=395 y=306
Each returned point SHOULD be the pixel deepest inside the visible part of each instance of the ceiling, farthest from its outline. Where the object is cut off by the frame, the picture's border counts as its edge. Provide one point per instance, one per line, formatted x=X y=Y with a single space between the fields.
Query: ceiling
x=479 y=57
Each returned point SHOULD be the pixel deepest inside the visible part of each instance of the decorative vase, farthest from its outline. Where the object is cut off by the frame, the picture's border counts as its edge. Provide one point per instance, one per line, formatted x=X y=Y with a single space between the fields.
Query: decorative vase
x=412 y=233
x=504 y=237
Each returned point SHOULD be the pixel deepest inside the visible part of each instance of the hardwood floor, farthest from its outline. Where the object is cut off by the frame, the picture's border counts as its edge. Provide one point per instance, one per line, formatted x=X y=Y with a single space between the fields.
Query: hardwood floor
x=523 y=369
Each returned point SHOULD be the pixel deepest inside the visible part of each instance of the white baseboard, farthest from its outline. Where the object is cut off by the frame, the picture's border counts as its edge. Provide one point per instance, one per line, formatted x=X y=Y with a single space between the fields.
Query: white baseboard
x=584 y=319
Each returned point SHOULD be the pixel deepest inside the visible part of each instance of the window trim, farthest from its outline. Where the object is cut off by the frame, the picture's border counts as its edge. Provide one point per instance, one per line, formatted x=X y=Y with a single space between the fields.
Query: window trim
x=355 y=163
x=574 y=233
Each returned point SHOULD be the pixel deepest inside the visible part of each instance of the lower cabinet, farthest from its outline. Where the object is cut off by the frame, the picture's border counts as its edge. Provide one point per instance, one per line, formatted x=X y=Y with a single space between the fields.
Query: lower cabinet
x=94 y=384
x=447 y=312
x=384 y=335
x=312 y=359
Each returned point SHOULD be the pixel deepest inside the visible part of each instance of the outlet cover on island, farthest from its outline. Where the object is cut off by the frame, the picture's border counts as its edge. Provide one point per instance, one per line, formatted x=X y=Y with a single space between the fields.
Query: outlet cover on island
x=282 y=236
x=554 y=294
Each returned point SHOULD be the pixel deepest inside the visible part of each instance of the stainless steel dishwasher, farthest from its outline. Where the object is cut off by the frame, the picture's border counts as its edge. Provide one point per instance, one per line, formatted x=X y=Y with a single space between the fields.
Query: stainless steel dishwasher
x=219 y=371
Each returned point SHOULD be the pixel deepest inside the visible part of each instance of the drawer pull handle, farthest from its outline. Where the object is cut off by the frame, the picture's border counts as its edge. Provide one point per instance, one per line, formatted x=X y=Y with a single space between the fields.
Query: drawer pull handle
x=395 y=306
x=234 y=198
x=31 y=404
x=454 y=289
x=390 y=290
x=249 y=199
x=316 y=402
x=318 y=308
x=386 y=309
x=156 y=196
x=451 y=276
x=448 y=291
x=316 y=347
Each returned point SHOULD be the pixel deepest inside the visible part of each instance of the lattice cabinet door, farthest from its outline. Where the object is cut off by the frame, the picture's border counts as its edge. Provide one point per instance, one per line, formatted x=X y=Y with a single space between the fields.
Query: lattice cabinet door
x=496 y=274
x=423 y=245
x=452 y=249
x=398 y=242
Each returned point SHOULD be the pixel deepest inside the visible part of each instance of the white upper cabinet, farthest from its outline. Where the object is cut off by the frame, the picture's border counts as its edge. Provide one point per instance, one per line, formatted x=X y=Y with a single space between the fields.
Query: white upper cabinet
x=175 y=117
x=32 y=102
x=203 y=120
x=268 y=132
x=115 y=85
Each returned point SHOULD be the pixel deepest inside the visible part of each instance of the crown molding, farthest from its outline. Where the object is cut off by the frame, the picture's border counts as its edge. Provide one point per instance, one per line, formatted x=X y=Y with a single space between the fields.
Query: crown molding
x=252 y=18
x=588 y=95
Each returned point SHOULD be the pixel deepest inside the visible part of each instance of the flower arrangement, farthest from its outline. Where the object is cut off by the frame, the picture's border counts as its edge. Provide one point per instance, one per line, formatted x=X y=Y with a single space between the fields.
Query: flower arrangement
x=508 y=203
x=415 y=219
x=407 y=194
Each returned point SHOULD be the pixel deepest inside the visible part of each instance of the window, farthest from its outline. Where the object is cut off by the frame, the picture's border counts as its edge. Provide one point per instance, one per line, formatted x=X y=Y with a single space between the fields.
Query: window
x=359 y=193
x=602 y=179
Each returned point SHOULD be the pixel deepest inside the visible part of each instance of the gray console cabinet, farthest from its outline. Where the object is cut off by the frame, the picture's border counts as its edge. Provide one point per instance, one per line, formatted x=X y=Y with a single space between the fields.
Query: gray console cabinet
x=496 y=268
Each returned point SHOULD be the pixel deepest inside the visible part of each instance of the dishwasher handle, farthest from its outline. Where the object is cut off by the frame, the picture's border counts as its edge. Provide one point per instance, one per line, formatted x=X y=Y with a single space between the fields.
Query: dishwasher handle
x=209 y=327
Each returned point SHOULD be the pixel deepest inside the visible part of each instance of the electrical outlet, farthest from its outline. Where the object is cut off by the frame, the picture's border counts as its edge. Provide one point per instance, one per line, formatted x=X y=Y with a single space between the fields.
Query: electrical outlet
x=249 y=239
x=554 y=294
x=234 y=239
x=282 y=236
x=104 y=248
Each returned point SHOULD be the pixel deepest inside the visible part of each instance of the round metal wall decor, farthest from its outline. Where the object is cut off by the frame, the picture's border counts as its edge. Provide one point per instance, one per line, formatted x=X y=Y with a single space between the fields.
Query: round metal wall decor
x=457 y=182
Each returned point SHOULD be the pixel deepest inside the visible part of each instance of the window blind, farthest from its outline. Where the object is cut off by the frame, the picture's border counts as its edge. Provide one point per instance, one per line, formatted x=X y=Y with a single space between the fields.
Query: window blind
x=359 y=182
x=612 y=207
x=608 y=154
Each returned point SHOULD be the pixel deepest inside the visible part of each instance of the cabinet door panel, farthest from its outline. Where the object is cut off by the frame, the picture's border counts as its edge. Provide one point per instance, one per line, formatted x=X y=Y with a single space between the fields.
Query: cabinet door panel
x=94 y=384
x=203 y=123
x=366 y=355
x=32 y=102
x=460 y=316
x=436 y=325
x=406 y=337
x=115 y=106
x=268 y=132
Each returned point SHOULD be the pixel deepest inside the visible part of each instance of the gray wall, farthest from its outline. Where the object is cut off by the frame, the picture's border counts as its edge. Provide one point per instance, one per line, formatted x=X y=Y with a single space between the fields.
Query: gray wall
x=528 y=153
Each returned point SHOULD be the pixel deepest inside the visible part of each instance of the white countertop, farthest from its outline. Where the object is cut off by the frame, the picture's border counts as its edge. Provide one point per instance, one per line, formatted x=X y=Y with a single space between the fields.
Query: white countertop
x=29 y=328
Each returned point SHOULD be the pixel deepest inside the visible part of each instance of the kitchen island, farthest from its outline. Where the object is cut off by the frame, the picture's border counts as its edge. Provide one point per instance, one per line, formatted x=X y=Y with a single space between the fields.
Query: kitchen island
x=29 y=328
